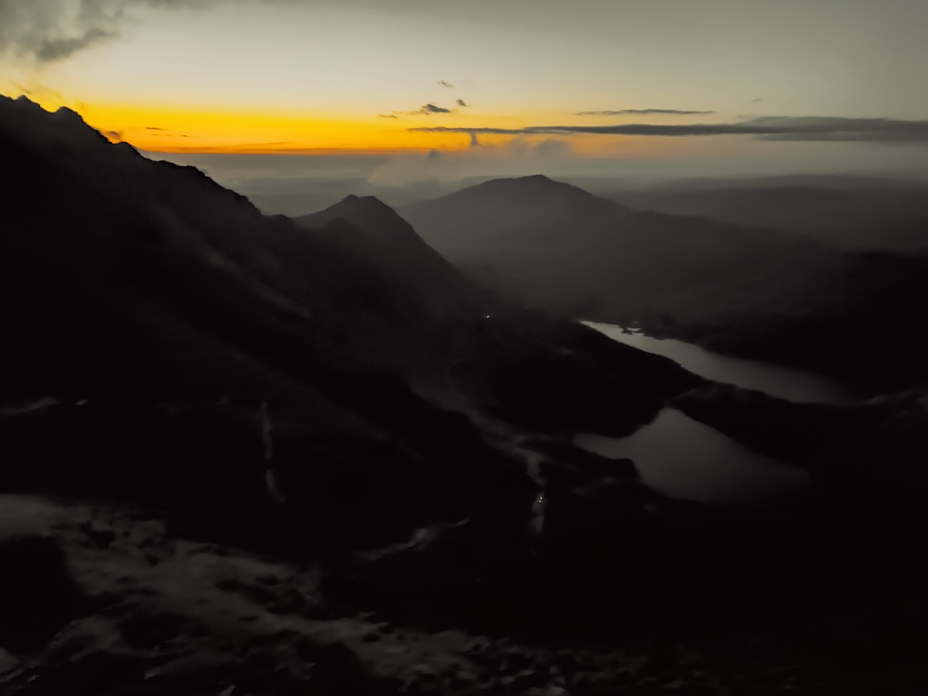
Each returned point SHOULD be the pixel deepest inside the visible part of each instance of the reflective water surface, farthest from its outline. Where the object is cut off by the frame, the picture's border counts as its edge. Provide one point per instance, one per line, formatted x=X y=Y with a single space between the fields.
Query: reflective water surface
x=783 y=382
x=683 y=458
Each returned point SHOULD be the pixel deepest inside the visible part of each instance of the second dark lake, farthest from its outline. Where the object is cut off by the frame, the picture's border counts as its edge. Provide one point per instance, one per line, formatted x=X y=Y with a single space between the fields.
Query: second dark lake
x=683 y=458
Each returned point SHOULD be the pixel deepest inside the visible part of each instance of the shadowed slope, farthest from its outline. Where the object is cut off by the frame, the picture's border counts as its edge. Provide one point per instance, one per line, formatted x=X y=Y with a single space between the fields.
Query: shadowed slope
x=848 y=212
x=563 y=248
x=177 y=309
x=749 y=291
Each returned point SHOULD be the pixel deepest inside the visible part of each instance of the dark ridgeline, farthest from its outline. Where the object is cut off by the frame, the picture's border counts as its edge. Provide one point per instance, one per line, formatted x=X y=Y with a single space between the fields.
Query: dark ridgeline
x=782 y=296
x=163 y=313
x=878 y=215
x=332 y=389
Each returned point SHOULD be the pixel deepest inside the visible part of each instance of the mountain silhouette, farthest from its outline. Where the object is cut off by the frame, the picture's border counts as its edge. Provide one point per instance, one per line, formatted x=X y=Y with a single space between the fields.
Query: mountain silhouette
x=847 y=212
x=378 y=234
x=172 y=309
x=751 y=291
x=460 y=225
x=556 y=246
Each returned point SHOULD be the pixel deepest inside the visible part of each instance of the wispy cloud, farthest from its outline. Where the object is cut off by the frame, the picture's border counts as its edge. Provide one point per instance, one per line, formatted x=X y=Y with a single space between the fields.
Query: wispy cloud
x=622 y=112
x=387 y=116
x=801 y=128
x=446 y=84
x=40 y=93
x=461 y=102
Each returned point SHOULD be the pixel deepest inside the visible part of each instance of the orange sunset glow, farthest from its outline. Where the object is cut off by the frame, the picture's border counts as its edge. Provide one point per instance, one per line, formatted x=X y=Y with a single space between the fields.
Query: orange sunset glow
x=236 y=131
x=507 y=83
x=189 y=130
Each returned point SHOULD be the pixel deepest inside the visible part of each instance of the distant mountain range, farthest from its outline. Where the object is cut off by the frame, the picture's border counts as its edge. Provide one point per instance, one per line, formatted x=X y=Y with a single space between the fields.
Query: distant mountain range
x=848 y=212
x=753 y=291
x=583 y=255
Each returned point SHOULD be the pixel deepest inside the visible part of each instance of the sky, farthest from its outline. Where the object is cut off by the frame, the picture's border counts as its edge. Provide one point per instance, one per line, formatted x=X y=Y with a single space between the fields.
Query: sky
x=452 y=88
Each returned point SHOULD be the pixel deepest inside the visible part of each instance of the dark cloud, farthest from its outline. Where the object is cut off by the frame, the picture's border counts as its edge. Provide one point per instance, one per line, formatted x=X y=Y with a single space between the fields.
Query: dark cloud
x=801 y=128
x=673 y=112
x=461 y=102
x=52 y=30
x=387 y=116
x=446 y=84
x=755 y=101
x=51 y=49
x=113 y=134
x=430 y=109
x=153 y=128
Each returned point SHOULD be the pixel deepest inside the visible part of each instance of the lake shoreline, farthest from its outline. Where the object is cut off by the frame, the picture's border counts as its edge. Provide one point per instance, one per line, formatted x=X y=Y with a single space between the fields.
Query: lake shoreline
x=780 y=381
x=688 y=453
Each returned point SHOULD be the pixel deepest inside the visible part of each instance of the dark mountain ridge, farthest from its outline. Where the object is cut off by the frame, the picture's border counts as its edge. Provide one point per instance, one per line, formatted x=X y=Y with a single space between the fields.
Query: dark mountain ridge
x=376 y=232
x=132 y=283
x=869 y=215
x=744 y=290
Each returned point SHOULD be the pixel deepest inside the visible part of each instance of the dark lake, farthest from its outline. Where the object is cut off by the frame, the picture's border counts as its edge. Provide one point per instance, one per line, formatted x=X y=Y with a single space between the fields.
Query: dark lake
x=783 y=382
x=683 y=458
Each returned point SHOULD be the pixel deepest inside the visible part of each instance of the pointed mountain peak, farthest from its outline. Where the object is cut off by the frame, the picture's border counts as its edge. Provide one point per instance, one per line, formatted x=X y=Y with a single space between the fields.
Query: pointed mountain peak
x=353 y=206
x=536 y=178
x=511 y=196
x=64 y=113
x=26 y=121
x=367 y=202
x=22 y=101
x=531 y=191
x=535 y=182
x=365 y=212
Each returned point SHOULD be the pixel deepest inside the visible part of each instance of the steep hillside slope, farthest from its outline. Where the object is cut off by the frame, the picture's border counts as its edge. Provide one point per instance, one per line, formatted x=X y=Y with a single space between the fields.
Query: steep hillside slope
x=745 y=290
x=168 y=332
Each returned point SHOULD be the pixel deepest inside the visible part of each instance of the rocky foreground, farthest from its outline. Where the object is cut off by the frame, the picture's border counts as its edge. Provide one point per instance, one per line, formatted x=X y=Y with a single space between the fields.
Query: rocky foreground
x=97 y=600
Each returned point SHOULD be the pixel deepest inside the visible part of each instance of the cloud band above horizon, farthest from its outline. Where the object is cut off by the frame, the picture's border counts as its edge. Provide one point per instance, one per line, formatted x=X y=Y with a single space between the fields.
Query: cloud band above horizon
x=786 y=128
x=623 y=112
